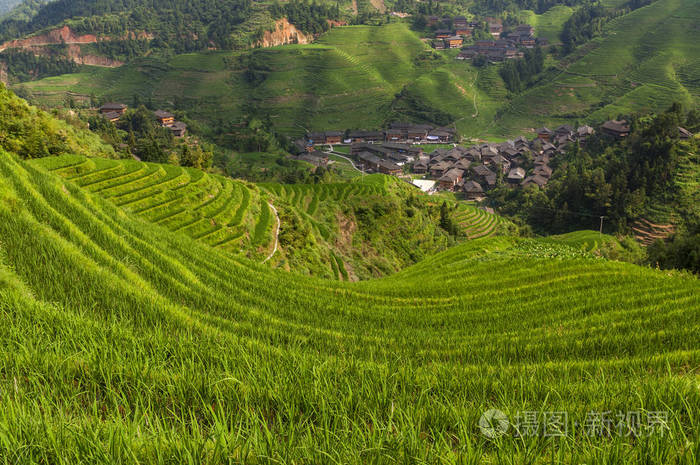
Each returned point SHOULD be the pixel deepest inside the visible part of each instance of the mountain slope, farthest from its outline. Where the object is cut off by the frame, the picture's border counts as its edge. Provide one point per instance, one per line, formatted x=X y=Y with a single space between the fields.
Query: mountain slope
x=330 y=230
x=644 y=61
x=156 y=348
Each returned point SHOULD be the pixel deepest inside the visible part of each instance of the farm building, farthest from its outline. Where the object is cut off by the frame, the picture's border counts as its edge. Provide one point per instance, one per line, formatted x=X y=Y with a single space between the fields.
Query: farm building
x=112 y=107
x=473 y=190
x=112 y=116
x=178 y=129
x=333 y=137
x=454 y=41
x=450 y=179
x=614 y=128
x=535 y=180
x=165 y=118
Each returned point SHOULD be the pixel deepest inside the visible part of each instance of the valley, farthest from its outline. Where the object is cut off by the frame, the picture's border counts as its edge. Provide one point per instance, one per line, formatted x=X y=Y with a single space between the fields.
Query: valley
x=364 y=76
x=356 y=232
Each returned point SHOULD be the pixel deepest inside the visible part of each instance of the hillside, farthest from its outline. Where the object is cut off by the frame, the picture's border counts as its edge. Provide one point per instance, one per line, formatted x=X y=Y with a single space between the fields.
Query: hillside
x=332 y=230
x=644 y=61
x=364 y=76
x=31 y=133
x=125 y=342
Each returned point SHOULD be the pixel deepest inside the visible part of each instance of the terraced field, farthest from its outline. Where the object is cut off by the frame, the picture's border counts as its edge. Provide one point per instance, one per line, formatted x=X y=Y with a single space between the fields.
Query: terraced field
x=644 y=61
x=218 y=211
x=477 y=223
x=305 y=199
x=125 y=343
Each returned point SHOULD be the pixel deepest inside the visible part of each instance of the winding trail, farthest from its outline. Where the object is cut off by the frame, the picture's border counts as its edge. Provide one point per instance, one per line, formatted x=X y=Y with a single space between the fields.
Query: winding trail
x=336 y=154
x=277 y=232
x=476 y=108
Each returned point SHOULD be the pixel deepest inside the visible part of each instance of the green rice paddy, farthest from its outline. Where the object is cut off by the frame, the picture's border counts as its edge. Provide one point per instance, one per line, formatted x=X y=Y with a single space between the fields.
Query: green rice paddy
x=124 y=341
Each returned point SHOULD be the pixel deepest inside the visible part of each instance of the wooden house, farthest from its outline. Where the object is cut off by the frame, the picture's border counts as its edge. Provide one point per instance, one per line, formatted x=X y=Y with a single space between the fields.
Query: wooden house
x=516 y=175
x=112 y=107
x=420 y=167
x=443 y=33
x=440 y=168
x=485 y=175
x=450 y=179
x=178 y=129
x=165 y=118
x=316 y=138
x=334 y=137
x=544 y=133
x=473 y=190
x=617 y=129
x=454 y=41
x=112 y=116
x=535 y=180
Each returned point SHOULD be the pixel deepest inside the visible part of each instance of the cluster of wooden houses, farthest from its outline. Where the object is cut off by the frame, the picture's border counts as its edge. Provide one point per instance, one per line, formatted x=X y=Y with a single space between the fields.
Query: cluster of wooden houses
x=113 y=111
x=452 y=31
x=472 y=170
x=396 y=133
x=167 y=120
x=520 y=162
x=505 y=48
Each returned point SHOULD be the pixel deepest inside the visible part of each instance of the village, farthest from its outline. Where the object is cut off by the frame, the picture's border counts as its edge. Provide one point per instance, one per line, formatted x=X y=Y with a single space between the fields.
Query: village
x=471 y=171
x=506 y=44
x=112 y=112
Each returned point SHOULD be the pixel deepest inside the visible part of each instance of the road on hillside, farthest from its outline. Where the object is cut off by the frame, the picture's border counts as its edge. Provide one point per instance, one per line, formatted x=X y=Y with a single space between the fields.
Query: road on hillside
x=344 y=157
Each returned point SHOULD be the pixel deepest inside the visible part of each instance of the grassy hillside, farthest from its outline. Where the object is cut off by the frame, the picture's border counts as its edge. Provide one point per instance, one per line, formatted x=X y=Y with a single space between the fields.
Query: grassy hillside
x=549 y=24
x=30 y=132
x=335 y=230
x=644 y=61
x=215 y=210
x=123 y=342
x=364 y=76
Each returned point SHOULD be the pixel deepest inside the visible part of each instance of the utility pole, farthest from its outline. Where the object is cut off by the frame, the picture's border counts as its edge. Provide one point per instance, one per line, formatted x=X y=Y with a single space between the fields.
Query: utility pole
x=601 y=226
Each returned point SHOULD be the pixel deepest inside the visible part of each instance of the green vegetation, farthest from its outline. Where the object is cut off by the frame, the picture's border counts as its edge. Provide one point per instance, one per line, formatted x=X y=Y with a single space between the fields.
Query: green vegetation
x=324 y=227
x=32 y=133
x=125 y=342
x=363 y=77
x=603 y=245
x=642 y=62
x=339 y=229
x=476 y=222
x=220 y=212
x=650 y=174
x=549 y=24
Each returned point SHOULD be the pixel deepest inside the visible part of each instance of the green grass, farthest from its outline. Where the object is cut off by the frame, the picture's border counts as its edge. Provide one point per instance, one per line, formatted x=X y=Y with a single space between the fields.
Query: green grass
x=213 y=209
x=124 y=342
x=477 y=223
x=643 y=62
x=549 y=24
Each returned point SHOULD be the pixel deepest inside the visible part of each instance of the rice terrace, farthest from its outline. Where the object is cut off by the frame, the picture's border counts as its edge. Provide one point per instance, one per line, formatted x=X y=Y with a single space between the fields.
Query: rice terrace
x=456 y=232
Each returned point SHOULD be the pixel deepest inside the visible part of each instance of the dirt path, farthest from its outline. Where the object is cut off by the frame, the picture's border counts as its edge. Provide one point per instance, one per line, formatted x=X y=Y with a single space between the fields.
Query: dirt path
x=465 y=93
x=379 y=5
x=346 y=158
x=277 y=232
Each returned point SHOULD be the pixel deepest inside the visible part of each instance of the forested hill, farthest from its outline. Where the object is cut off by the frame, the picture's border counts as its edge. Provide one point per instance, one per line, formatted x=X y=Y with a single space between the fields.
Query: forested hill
x=197 y=22
x=179 y=25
